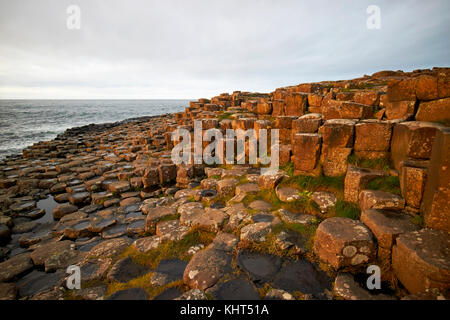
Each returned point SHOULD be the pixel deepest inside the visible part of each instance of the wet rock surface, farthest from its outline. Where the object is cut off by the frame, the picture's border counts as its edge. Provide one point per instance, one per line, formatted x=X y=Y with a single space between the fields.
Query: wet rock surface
x=125 y=270
x=302 y=276
x=237 y=289
x=261 y=268
x=130 y=294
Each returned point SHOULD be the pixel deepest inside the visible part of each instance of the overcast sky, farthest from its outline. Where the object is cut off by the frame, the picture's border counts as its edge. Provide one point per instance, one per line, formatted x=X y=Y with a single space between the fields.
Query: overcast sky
x=136 y=49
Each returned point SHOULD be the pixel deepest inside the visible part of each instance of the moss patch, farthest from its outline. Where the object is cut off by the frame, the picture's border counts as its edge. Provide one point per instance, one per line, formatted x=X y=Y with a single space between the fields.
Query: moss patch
x=144 y=283
x=418 y=220
x=170 y=249
x=224 y=116
x=379 y=164
x=312 y=184
x=345 y=209
x=388 y=184
x=270 y=246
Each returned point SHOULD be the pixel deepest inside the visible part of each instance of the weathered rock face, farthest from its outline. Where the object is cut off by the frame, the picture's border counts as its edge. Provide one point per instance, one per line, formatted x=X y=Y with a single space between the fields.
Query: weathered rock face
x=401 y=90
x=8 y=291
x=260 y=267
x=412 y=183
x=296 y=103
x=256 y=232
x=130 y=294
x=356 y=180
x=235 y=289
x=43 y=253
x=125 y=270
x=306 y=147
x=344 y=242
x=436 y=110
x=347 y=288
x=155 y=214
x=398 y=110
x=15 y=266
x=301 y=275
x=64 y=209
x=387 y=226
x=270 y=179
x=206 y=268
x=334 y=160
x=109 y=247
x=372 y=139
x=412 y=140
x=338 y=133
x=337 y=139
x=375 y=199
x=420 y=260
x=146 y=244
x=226 y=186
x=287 y=194
x=436 y=198
x=309 y=123
x=277 y=294
x=212 y=220
x=168 y=271
x=325 y=200
x=334 y=109
x=247 y=188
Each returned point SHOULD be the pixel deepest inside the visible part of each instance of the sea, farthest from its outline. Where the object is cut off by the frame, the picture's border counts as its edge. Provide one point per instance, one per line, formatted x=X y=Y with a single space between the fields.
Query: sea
x=24 y=122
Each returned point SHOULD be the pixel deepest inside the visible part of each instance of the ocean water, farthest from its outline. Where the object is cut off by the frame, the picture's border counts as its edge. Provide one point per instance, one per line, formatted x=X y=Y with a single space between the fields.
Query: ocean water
x=24 y=122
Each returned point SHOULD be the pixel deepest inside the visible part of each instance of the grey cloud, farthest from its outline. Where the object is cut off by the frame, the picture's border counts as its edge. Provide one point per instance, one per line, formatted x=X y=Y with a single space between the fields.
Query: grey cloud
x=189 y=49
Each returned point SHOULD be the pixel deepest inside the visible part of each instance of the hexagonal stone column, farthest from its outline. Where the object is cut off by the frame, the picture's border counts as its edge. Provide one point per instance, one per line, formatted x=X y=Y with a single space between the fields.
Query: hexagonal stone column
x=344 y=242
x=387 y=226
x=421 y=260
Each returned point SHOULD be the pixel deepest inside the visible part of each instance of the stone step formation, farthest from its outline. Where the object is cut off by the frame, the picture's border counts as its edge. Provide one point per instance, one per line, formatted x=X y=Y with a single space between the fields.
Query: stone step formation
x=364 y=180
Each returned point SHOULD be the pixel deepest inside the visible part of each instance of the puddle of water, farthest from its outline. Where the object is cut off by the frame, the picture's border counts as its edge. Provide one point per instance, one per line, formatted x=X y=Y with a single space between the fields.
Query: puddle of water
x=48 y=204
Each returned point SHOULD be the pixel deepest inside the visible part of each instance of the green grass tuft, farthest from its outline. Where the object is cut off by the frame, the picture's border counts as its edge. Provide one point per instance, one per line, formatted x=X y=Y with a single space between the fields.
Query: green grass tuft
x=379 y=164
x=288 y=168
x=418 y=220
x=170 y=249
x=388 y=184
x=321 y=183
x=345 y=209
x=225 y=116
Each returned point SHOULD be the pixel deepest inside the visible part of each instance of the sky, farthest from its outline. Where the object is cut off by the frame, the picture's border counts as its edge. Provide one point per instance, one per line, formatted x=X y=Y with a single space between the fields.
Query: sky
x=178 y=49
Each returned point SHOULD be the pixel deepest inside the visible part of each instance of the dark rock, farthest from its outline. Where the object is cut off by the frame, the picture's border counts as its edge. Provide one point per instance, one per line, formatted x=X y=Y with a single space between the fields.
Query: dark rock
x=301 y=276
x=168 y=271
x=15 y=266
x=115 y=231
x=94 y=269
x=125 y=270
x=8 y=291
x=93 y=293
x=37 y=282
x=169 y=294
x=136 y=228
x=130 y=294
x=42 y=253
x=237 y=289
x=109 y=247
x=261 y=267
x=206 y=268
